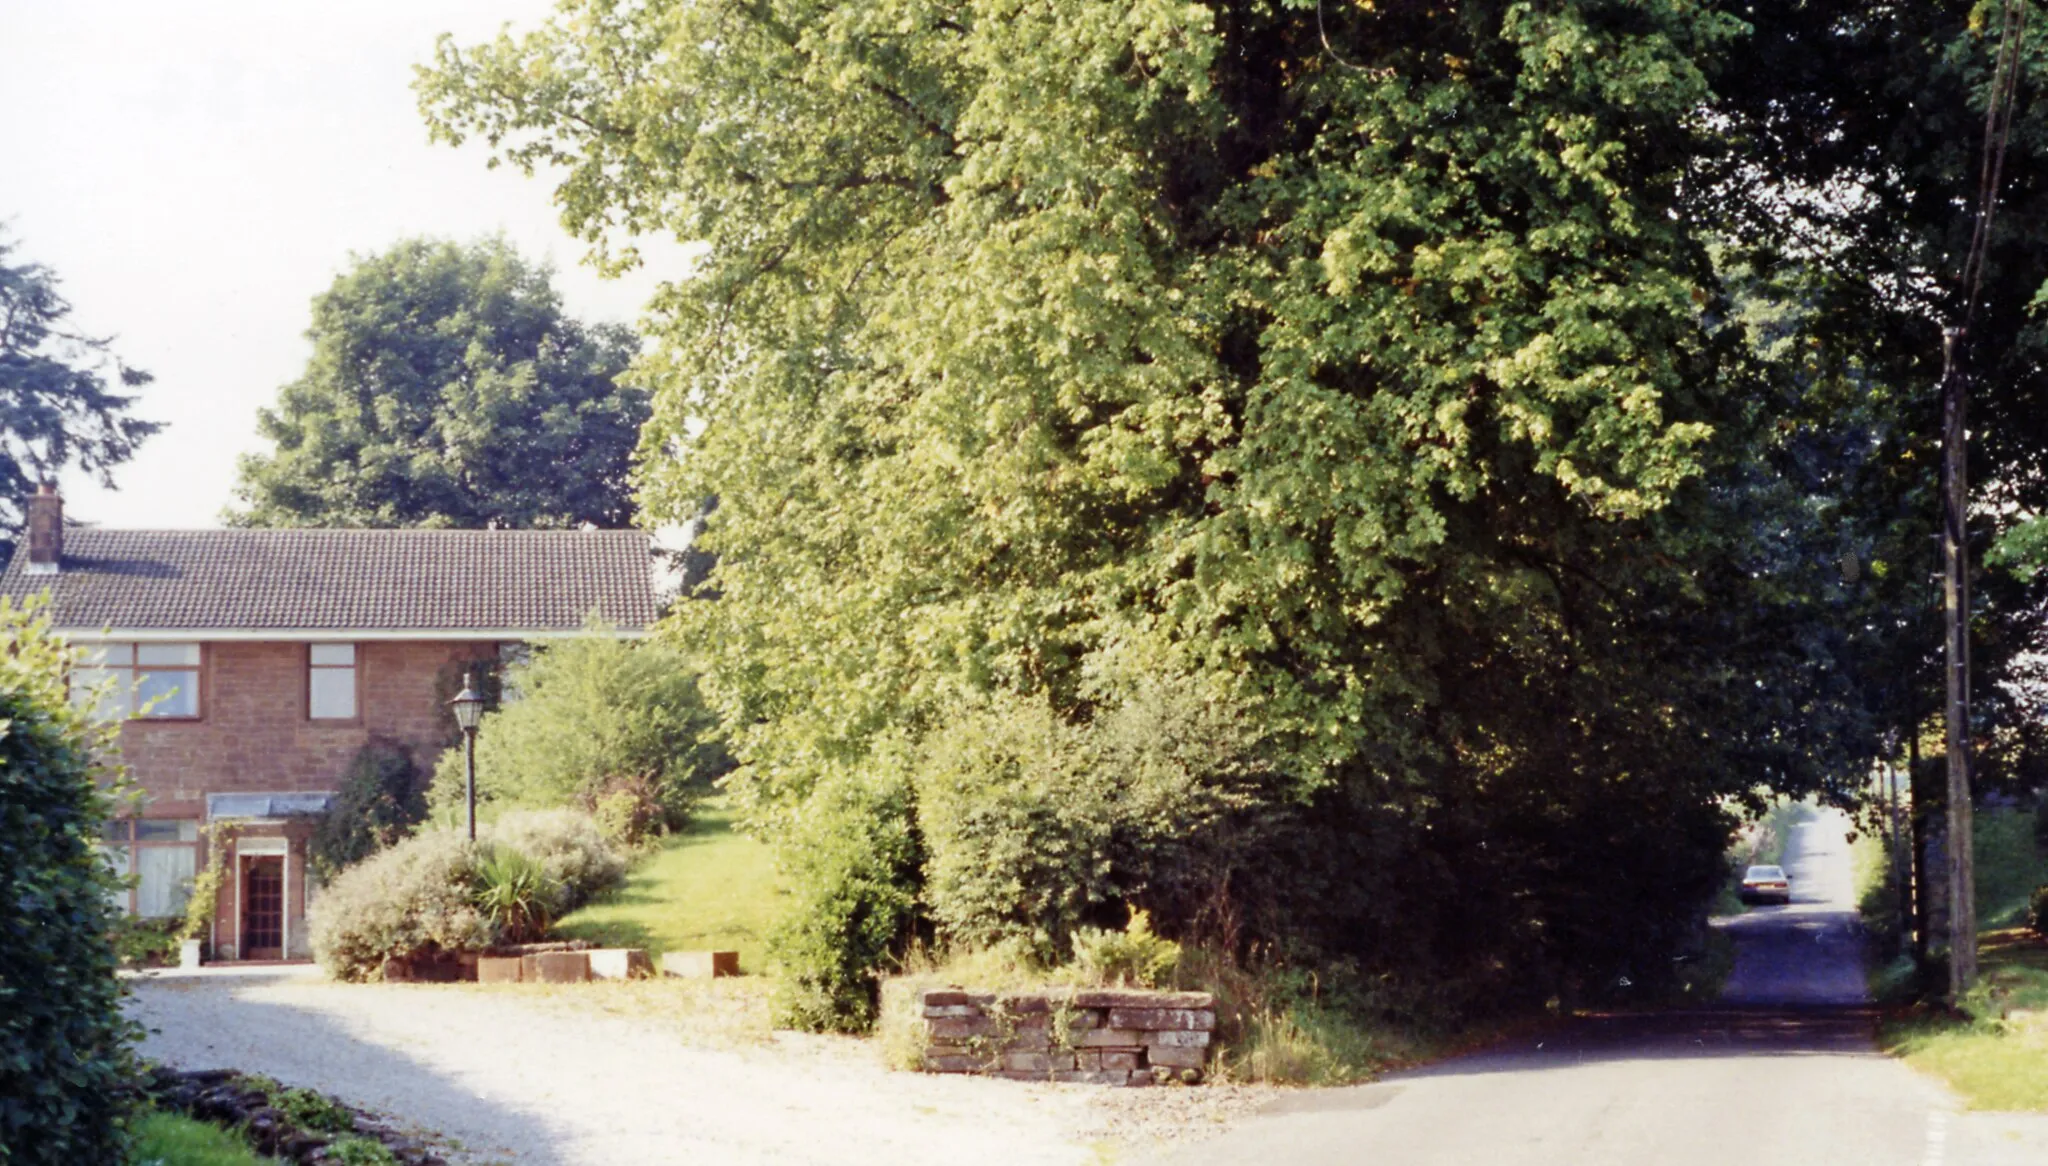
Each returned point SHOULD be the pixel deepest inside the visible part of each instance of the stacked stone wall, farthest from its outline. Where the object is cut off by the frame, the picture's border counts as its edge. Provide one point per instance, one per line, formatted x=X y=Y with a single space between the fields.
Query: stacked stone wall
x=1103 y=1037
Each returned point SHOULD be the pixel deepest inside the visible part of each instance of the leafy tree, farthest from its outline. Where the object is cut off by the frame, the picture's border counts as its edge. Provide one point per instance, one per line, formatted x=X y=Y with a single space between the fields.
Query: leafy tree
x=447 y=388
x=613 y=726
x=1374 y=370
x=64 y=1044
x=59 y=398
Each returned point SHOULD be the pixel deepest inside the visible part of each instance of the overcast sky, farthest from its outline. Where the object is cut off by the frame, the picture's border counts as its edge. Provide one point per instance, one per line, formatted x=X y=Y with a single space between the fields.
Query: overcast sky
x=196 y=171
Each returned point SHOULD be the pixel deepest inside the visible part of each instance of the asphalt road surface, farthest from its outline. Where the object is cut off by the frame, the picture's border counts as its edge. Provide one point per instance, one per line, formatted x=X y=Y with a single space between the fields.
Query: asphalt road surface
x=1781 y=1073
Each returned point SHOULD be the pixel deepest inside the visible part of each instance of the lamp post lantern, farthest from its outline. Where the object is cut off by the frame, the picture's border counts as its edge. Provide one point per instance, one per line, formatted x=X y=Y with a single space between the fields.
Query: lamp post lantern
x=468 y=707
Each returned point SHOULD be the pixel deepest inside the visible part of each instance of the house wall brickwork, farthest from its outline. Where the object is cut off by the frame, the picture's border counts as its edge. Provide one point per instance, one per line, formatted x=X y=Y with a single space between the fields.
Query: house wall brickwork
x=253 y=733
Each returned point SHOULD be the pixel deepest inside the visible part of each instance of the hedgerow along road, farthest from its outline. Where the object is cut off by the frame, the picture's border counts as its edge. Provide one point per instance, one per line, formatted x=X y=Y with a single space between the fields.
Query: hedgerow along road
x=1781 y=1072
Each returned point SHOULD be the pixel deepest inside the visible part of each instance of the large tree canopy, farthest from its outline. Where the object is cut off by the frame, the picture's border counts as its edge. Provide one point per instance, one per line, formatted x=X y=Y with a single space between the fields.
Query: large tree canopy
x=60 y=402
x=1382 y=371
x=447 y=388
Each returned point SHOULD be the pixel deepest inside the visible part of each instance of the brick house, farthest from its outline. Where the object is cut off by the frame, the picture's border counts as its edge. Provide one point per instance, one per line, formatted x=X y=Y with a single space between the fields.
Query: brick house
x=248 y=668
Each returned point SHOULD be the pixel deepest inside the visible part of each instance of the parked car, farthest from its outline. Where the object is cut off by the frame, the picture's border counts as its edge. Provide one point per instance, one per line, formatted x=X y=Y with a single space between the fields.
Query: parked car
x=1766 y=884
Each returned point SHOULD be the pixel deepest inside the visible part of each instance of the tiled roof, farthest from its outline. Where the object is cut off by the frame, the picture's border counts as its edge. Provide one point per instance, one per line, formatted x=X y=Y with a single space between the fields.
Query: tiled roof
x=371 y=580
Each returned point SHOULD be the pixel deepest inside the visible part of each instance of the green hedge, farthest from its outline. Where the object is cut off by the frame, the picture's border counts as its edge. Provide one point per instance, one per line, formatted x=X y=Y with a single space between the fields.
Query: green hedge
x=63 y=1042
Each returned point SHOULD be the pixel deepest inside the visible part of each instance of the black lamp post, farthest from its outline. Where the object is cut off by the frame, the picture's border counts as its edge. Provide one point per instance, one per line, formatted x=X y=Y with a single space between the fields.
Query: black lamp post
x=469 y=711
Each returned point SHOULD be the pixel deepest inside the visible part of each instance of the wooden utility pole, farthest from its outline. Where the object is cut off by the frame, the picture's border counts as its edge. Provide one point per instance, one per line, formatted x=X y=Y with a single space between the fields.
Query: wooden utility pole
x=1955 y=595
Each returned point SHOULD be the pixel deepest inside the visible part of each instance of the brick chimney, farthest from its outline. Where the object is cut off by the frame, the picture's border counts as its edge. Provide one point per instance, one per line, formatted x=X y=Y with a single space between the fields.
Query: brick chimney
x=45 y=530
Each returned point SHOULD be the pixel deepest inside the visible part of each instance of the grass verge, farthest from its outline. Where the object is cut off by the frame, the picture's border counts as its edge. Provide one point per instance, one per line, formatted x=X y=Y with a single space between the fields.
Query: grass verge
x=709 y=888
x=165 y=1139
x=1993 y=1050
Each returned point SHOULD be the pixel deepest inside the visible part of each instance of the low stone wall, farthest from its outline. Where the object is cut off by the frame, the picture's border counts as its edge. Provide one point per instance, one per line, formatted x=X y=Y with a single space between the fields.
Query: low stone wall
x=1102 y=1037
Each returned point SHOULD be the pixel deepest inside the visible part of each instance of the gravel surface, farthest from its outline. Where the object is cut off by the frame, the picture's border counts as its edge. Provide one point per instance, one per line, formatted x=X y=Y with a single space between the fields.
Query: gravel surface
x=589 y=1077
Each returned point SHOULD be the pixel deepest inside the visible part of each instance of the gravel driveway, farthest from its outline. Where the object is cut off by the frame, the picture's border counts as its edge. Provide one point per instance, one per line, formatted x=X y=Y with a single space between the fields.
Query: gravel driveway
x=518 y=1078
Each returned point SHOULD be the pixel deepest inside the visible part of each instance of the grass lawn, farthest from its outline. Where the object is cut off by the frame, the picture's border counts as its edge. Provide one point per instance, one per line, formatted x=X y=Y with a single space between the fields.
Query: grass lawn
x=1997 y=1056
x=163 y=1139
x=709 y=888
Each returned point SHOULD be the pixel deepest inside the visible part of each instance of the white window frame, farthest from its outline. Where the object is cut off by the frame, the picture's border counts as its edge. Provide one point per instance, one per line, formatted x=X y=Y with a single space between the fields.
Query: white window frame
x=316 y=667
x=129 y=866
x=123 y=663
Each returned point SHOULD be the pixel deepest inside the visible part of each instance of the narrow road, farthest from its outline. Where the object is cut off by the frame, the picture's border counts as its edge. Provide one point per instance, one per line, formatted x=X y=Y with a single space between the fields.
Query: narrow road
x=1782 y=1073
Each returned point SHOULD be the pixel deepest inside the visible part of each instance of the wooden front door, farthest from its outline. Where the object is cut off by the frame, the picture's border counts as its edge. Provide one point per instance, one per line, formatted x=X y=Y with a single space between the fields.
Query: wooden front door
x=263 y=907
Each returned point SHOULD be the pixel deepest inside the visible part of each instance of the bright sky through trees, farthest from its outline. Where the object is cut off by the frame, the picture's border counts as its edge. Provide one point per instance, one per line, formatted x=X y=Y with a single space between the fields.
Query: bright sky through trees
x=196 y=173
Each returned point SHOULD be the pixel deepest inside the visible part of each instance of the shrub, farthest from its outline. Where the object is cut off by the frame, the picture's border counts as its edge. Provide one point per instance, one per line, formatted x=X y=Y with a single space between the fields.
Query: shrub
x=850 y=856
x=568 y=847
x=309 y=1109
x=517 y=893
x=631 y=811
x=353 y=1150
x=1133 y=957
x=2037 y=910
x=588 y=719
x=1038 y=827
x=379 y=801
x=146 y=943
x=434 y=892
x=416 y=898
x=63 y=1041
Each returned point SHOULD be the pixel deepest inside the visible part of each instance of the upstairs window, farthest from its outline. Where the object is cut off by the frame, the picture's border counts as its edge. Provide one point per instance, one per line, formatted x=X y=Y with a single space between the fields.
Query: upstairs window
x=158 y=681
x=331 y=682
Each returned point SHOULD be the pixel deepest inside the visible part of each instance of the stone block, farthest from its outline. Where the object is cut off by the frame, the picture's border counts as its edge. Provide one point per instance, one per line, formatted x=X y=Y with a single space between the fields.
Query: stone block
x=1111 y=1038
x=1092 y=1077
x=943 y=997
x=953 y=1061
x=1172 y=1039
x=1118 y=1060
x=700 y=965
x=493 y=969
x=560 y=967
x=1088 y=1061
x=1029 y=1040
x=956 y=1028
x=949 y=1011
x=1173 y=1058
x=1134 y=998
x=620 y=963
x=440 y=970
x=1024 y=1062
x=1156 y=1019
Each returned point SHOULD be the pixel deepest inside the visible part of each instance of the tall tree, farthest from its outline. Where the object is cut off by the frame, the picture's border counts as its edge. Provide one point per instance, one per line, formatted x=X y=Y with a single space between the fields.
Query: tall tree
x=1860 y=151
x=447 y=388
x=60 y=402
x=1367 y=365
